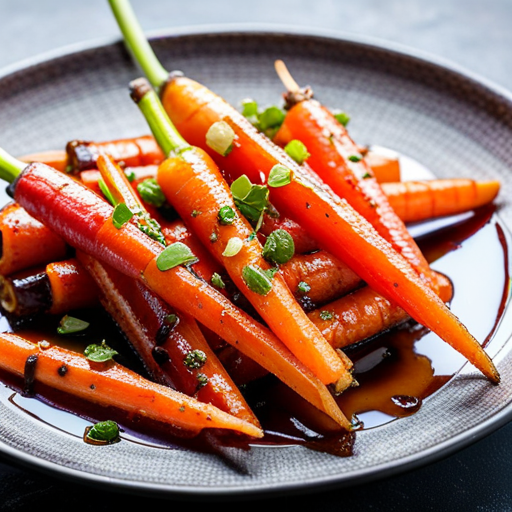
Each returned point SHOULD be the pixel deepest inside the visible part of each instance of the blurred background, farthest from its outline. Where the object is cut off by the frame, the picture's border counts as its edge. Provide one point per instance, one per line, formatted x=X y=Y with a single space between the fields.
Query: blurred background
x=473 y=34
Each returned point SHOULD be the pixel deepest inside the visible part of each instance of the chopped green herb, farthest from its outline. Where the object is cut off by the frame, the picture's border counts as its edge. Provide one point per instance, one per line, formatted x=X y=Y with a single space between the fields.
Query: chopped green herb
x=279 y=247
x=70 y=325
x=99 y=353
x=106 y=192
x=214 y=237
x=297 y=150
x=226 y=215
x=326 y=315
x=151 y=192
x=342 y=118
x=195 y=359
x=271 y=118
x=175 y=254
x=354 y=158
x=220 y=137
x=249 y=108
x=171 y=319
x=366 y=175
x=122 y=214
x=202 y=380
x=107 y=431
x=252 y=236
x=279 y=176
x=130 y=175
x=303 y=287
x=217 y=281
x=195 y=213
x=250 y=199
x=150 y=227
x=257 y=279
x=233 y=247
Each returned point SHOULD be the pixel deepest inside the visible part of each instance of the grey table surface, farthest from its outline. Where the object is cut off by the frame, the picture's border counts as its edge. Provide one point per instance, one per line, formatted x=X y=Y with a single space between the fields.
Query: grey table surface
x=474 y=34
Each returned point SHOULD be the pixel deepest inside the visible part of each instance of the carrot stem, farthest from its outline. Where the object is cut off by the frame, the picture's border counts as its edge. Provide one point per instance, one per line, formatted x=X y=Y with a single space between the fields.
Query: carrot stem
x=10 y=167
x=137 y=43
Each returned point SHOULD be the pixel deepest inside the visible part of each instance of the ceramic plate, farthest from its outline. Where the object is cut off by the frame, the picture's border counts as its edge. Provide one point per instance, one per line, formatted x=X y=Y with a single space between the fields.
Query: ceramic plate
x=453 y=123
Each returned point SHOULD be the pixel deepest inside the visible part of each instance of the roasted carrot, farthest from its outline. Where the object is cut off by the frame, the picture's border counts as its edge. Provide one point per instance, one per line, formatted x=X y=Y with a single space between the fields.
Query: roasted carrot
x=195 y=187
x=336 y=159
x=58 y=159
x=385 y=166
x=84 y=220
x=332 y=222
x=414 y=201
x=111 y=384
x=170 y=345
x=363 y=314
x=19 y=235
x=134 y=152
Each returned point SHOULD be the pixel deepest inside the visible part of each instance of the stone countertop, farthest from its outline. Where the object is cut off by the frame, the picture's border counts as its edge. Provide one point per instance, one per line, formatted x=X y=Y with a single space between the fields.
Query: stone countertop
x=470 y=33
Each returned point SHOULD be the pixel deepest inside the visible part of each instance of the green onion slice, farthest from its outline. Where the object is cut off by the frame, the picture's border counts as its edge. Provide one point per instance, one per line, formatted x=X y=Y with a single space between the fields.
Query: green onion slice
x=220 y=137
x=233 y=247
x=297 y=150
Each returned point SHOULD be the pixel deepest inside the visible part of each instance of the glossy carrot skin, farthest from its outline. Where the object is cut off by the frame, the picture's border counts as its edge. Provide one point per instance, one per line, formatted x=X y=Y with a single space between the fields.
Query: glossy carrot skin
x=163 y=347
x=415 y=201
x=363 y=314
x=20 y=234
x=331 y=149
x=57 y=159
x=335 y=225
x=193 y=182
x=111 y=384
x=134 y=152
x=85 y=221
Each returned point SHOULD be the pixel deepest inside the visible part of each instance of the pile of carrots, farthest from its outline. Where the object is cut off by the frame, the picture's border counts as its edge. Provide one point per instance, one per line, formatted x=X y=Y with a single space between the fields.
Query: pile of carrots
x=210 y=238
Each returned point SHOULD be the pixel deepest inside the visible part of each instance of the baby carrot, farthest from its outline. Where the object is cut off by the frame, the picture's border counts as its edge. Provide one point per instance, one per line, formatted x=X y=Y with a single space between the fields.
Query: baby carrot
x=420 y=200
x=20 y=235
x=195 y=187
x=111 y=384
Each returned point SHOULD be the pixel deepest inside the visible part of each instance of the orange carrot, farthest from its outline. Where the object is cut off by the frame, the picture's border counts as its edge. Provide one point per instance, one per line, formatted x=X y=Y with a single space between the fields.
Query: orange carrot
x=363 y=314
x=134 y=152
x=420 y=200
x=26 y=242
x=84 y=220
x=110 y=384
x=58 y=159
x=385 y=168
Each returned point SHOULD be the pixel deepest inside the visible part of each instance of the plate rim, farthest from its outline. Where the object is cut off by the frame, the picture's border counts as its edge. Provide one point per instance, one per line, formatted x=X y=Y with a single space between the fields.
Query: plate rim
x=362 y=476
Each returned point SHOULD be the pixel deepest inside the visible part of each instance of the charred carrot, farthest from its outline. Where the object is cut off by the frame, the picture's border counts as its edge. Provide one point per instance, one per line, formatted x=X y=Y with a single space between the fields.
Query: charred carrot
x=58 y=288
x=414 y=201
x=20 y=234
x=332 y=222
x=85 y=221
x=134 y=152
x=112 y=385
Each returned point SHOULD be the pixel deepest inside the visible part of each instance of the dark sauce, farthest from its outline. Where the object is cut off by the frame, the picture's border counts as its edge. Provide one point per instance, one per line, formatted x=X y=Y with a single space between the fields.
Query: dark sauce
x=396 y=371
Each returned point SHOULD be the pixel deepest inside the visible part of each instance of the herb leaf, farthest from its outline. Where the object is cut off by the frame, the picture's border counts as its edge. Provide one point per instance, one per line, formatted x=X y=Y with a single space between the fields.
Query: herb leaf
x=342 y=118
x=99 y=353
x=70 y=325
x=217 y=281
x=297 y=150
x=107 y=431
x=151 y=192
x=250 y=199
x=279 y=247
x=279 y=176
x=175 y=254
x=257 y=279
x=226 y=215
x=122 y=214
x=303 y=287
x=195 y=359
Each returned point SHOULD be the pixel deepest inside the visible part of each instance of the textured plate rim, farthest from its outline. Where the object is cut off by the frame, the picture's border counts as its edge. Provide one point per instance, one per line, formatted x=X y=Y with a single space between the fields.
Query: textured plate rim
x=322 y=483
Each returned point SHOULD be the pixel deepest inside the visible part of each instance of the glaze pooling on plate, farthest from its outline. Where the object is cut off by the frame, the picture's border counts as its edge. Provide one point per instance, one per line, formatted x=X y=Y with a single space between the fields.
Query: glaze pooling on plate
x=453 y=124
